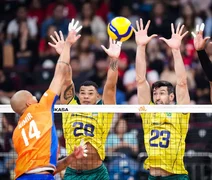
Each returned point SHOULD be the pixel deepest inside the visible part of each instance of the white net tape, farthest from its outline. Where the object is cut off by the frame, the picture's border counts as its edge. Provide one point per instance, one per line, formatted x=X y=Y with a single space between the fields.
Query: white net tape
x=125 y=108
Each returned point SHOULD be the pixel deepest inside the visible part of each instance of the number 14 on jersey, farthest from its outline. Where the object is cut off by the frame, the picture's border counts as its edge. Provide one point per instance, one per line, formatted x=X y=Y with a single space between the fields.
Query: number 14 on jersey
x=32 y=133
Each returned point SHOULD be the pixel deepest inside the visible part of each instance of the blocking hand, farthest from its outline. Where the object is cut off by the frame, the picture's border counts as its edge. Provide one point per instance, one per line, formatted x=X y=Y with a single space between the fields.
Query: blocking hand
x=175 y=41
x=59 y=42
x=114 y=49
x=73 y=30
x=141 y=36
x=199 y=41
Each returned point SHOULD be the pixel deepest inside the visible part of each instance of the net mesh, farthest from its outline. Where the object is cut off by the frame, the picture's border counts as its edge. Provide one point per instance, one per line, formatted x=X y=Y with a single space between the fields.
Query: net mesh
x=121 y=140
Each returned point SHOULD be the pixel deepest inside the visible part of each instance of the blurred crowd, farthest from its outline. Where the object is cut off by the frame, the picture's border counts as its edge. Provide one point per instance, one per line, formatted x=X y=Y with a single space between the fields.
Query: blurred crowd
x=27 y=61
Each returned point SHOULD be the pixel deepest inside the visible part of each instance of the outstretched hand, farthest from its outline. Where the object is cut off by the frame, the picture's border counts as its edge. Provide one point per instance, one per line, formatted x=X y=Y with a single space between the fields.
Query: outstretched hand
x=81 y=150
x=72 y=37
x=199 y=41
x=59 y=42
x=114 y=49
x=73 y=30
x=176 y=38
x=141 y=36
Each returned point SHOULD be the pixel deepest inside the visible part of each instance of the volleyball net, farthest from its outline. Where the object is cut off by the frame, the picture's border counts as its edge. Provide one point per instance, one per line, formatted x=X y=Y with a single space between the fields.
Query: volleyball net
x=124 y=145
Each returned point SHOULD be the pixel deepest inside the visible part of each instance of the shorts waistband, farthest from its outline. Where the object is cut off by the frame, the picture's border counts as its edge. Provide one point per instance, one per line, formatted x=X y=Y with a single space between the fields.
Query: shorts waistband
x=174 y=176
x=75 y=171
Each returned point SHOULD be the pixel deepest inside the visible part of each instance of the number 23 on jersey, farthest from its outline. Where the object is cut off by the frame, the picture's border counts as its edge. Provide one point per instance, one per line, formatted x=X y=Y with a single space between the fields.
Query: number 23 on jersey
x=164 y=137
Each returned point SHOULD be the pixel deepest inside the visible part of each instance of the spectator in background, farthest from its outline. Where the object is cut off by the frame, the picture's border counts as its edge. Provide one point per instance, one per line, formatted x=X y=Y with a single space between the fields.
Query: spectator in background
x=21 y=16
x=129 y=79
x=57 y=19
x=122 y=140
x=100 y=69
x=36 y=11
x=85 y=53
x=69 y=10
x=102 y=8
x=4 y=172
x=188 y=17
x=92 y=25
x=126 y=11
x=78 y=76
x=7 y=88
x=24 y=47
x=46 y=51
x=160 y=21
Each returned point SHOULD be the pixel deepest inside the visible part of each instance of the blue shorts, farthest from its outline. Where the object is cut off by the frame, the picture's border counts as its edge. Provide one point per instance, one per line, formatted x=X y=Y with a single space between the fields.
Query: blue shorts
x=36 y=177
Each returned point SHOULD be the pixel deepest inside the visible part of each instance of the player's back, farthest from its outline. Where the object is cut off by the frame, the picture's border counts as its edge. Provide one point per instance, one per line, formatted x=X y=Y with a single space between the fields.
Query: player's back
x=35 y=139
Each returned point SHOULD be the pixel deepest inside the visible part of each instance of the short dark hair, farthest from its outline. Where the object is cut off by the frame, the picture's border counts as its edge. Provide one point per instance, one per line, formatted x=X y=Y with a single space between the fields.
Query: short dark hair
x=89 y=83
x=158 y=84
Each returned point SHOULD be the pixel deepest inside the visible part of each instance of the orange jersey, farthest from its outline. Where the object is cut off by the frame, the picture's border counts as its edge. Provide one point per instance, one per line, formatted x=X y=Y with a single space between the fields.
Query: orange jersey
x=35 y=139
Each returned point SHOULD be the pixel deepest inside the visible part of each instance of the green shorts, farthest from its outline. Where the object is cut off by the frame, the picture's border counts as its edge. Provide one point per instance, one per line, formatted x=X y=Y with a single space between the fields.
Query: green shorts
x=172 y=177
x=99 y=173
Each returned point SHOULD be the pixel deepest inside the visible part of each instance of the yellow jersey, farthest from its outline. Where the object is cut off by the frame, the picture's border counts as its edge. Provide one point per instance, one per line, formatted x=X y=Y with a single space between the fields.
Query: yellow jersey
x=92 y=127
x=164 y=139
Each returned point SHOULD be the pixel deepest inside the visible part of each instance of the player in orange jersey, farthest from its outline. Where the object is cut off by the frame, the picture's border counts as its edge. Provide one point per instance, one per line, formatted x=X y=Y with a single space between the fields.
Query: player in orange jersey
x=35 y=139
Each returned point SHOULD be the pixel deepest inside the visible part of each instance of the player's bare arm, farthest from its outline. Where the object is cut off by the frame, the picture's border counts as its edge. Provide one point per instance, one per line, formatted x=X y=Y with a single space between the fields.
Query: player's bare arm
x=182 y=93
x=68 y=90
x=142 y=39
x=109 y=93
x=199 y=44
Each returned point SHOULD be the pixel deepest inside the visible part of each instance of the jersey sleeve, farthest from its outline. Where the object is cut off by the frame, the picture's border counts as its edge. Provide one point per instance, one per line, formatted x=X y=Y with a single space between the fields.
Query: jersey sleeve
x=48 y=99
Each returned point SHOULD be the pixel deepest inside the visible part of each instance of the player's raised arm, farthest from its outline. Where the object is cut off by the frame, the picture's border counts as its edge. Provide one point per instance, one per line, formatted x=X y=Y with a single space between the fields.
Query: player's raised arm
x=182 y=94
x=109 y=93
x=142 y=39
x=68 y=90
x=199 y=44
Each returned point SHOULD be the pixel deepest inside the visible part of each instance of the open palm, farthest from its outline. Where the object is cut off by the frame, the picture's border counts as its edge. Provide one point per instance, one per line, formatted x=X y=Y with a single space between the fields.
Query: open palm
x=114 y=49
x=199 y=41
x=59 y=42
x=175 y=41
x=141 y=36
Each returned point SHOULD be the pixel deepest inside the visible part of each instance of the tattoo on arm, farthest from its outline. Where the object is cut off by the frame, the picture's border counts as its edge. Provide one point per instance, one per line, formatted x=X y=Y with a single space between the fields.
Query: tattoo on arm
x=114 y=65
x=69 y=92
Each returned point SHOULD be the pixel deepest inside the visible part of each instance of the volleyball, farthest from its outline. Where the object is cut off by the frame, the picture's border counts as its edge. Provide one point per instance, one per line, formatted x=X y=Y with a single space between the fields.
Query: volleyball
x=120 y=29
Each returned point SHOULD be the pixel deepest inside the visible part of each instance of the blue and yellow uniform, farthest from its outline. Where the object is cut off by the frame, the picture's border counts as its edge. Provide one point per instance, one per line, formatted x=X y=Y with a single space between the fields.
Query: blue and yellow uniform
x=164 y=138
x=92 y=127
x=35 y=139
